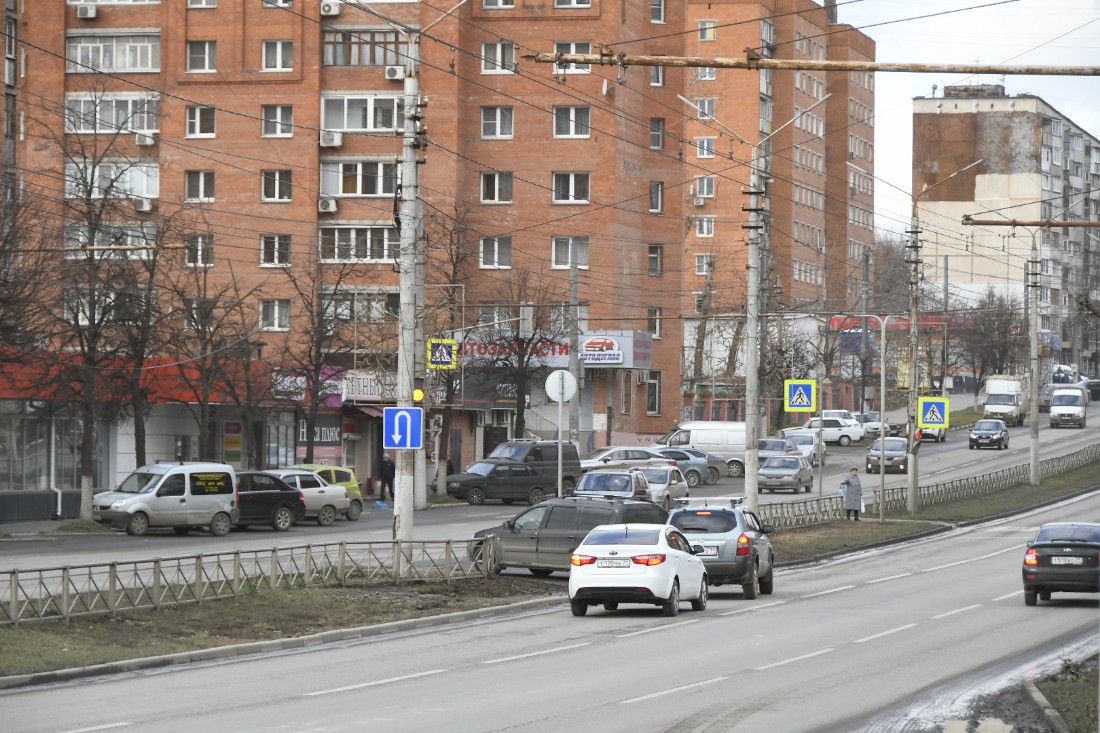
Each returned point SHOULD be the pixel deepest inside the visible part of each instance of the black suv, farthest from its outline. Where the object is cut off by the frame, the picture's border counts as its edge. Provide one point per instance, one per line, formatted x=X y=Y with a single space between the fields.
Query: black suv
x=543 y=456
x=500 y=478
x=543 y=538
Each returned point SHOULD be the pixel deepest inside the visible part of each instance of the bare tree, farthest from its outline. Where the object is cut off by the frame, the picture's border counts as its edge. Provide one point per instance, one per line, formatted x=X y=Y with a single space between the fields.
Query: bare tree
x=993 y=335
x=890 y=282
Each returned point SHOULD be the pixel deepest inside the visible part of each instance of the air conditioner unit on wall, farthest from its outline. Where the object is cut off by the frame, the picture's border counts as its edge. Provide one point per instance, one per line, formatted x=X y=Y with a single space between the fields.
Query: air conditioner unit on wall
x=86 y=11
x=330 y=139
x=699 y=200
x=326 y=205
x=144 y=140
x=479 y=419
x=395 y=73
x=329 y=8
x=143 y=204
x=641 y=375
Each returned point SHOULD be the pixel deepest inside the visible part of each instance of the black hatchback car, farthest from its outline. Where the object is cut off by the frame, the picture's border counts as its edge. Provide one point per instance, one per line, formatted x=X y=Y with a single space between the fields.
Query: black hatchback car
x=266 y=499
x=989 y=434
x=1063 y=557
x=503 y=479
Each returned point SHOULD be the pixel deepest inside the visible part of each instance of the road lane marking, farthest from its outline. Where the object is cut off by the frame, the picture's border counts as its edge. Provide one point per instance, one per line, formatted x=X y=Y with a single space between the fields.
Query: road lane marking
x=831 y=590
x=753 y=607
x=681 y=688
x=1013 y=594
x=889 y=577
x=972 y=559
x=881 y=634
x=656 y=628
x=105 y=726
x=958 y=610
x=795 y=659
x=536 y=654
x=375 y=683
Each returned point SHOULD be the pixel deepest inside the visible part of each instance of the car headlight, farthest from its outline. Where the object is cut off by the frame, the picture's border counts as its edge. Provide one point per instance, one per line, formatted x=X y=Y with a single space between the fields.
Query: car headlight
x=452 y=484
x=118 y=504
x=974 y=435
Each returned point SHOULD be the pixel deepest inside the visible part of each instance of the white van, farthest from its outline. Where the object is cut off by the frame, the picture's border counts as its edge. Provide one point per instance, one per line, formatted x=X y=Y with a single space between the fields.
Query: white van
x=181 y=495
x=722 y=438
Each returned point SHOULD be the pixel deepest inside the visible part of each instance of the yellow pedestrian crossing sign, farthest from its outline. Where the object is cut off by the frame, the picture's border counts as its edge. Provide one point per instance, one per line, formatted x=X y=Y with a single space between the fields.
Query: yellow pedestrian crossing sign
x=933 y=412
x=801 y=395
x=442 y=353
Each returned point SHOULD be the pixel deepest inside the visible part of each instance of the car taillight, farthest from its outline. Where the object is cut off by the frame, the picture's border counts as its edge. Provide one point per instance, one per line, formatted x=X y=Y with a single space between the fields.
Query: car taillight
x=581 y=560
x=743 y=545
x=301 y=496
x=647 y=559
x=1031 y=557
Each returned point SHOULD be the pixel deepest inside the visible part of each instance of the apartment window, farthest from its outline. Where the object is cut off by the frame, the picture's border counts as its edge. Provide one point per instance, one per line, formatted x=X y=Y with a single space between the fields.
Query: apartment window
x=704 y=264
x=275 y=315
x=656 y=196
x=653 y=392
x=130 y=241
x=496 y=122
x=276 y=185
x=704 y=147
x=362 y=307
x=358 y=178
x=656 y=76
x=706 y=108
x=278 y=55
x=656 y=11
x=275 y=249
x=704 y=186
x=656 y=133
x=496 y=187
x=656 y=259
x=367 y=114
x=572 y=121
x=564 y=317
x=112 y=113
x=498 y=3
x=202 y=56
x=704 y=226
x=112 y=178
x=200 y=121
x=708 y=30
x=496 y=252
x=571 y=188
x=278 y=120
x=198 y=313
x=498 y=58
x=199 y=250
x=278 y=3
x=570 y=250
x=202 y=3
x=362 y=48
x=706 y=73
x=495 y=316
x=653 y=321
x=123 y=52
x=199 y=185
x=359 y=243
x=572 y=3
x=573 y=47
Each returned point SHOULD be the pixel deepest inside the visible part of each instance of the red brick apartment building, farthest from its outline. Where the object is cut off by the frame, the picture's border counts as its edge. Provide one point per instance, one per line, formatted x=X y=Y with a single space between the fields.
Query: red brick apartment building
x=256 y=146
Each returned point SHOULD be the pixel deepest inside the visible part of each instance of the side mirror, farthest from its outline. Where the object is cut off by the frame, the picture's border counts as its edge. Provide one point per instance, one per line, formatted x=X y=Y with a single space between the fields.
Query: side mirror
x=767 y=528
x=510 y=524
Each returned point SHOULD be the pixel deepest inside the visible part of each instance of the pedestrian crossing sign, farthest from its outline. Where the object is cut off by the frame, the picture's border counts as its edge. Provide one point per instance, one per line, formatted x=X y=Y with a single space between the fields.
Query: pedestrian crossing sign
x=441 y=354
x=933 y=412
x=801 y=395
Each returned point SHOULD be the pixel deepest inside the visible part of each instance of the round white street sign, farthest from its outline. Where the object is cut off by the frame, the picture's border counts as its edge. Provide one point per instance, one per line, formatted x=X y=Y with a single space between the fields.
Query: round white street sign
x=561 y=385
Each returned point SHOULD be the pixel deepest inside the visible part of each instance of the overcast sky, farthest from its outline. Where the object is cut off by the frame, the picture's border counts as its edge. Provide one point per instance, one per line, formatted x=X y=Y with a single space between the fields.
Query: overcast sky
x=1022 y=32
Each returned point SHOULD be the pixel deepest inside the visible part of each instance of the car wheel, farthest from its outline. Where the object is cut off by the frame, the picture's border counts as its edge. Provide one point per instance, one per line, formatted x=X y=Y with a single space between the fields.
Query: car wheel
x=282 y=520
x=1030 y=598
x=699 y=603
x=751 y=586
x=844 y=441
x=567 y=486
x=354 y=511
x=535 y=495
x=767 y=583
x=971 y=446
x=540 y=572
x=220 y=524
x=326 y=516
x=1044 y=595
x=736 y=469
x=809 y=487
x=943 y=438
x=611 y=606
x=137 y=525
x=667 y=503
x=712 y=475
x=693 y=478
x=475 y=496
x=579 y=608
x=671 y=607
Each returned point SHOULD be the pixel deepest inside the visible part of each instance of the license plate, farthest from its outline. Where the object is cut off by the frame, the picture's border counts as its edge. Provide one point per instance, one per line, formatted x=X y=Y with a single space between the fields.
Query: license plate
x=1059 y=560
x=710 y=552
x=624 y=563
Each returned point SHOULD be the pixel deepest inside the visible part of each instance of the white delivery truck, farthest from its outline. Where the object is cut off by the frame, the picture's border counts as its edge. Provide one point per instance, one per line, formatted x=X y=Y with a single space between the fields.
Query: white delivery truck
x=722 y=438
x=1067 y=406
x=1006 y=398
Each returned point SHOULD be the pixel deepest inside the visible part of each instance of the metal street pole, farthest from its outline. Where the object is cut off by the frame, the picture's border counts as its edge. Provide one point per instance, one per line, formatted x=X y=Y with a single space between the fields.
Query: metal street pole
x=1033 y=399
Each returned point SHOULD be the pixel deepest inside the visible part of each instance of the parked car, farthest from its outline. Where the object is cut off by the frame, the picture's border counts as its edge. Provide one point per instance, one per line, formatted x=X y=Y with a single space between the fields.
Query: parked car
x=785 y=472
x=624 y=483
x=895 y=456
x=716 y=465
x=181 y=495
x=1045 y=393
x=872 y=425
x=845 y=416
x=500 y=478
x=666 y=484
x=936 y=435
x=641 y=563
x=264 y=498
x=693 y=467
x=736 y=548
x=542 y=455
x=1062 y=558
x=833 y=430
x=768 y=447
x=324 y=502
x=339 y=476
x=624 y=457
x=810 y=447
x=989 y=433
x=1094 y=388
x=543 y=537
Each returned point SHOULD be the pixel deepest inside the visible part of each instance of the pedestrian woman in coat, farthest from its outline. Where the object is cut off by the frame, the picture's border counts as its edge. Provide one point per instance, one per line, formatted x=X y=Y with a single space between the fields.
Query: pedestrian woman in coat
x=853 y=494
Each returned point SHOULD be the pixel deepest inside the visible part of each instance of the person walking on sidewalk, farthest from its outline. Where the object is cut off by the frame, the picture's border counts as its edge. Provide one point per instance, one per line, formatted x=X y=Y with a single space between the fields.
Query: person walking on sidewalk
x=852 y=490
x=389 y=472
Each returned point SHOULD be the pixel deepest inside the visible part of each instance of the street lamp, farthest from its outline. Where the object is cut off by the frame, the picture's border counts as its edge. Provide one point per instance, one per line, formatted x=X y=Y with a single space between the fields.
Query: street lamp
x=914 y=312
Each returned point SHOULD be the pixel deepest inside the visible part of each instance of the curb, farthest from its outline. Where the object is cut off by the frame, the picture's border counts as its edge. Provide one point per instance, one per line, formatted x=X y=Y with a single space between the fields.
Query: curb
x=1053 y=718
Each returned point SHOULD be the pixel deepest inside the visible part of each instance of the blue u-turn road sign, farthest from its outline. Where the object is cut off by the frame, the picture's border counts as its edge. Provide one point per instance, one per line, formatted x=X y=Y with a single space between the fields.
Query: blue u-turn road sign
x=403 y=428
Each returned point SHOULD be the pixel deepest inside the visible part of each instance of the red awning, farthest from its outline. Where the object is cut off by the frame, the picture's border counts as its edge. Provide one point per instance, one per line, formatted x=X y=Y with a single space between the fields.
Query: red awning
x=368 y=410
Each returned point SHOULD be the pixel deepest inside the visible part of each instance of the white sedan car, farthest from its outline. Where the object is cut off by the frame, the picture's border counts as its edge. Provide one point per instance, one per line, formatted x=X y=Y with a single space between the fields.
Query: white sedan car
x=636 y=563
x=324 y=501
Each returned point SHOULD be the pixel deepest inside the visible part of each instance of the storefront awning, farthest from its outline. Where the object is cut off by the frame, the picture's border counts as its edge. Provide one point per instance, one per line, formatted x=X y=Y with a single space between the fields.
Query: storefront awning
x=368 y=410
